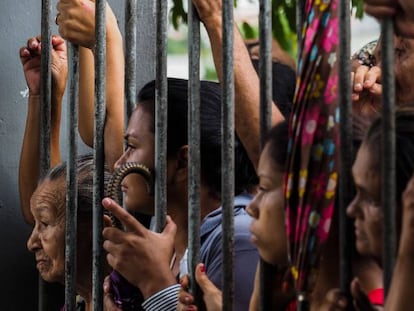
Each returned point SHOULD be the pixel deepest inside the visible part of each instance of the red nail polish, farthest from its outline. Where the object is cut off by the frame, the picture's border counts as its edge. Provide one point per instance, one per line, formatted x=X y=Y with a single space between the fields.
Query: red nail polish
x=203 y=268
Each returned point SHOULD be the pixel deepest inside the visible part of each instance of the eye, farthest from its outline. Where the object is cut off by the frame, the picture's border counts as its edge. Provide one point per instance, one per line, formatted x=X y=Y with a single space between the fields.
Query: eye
x=262 y=188
x=129 y=146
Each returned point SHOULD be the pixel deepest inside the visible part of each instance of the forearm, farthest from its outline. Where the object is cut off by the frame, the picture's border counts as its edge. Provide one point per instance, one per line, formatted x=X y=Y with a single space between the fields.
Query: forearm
x=30 y=158
x=56 y=114
x=86 y=95
x=247 y=89
x=114 y=122
x=400 y=293
x=115 y=75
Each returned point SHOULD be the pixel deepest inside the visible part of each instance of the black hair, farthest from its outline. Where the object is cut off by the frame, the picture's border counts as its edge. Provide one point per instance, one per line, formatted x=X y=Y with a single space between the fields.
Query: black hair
x=85 y=169
x=283 y=86
x=404 y=147
x=277 y=141
x=210 y=128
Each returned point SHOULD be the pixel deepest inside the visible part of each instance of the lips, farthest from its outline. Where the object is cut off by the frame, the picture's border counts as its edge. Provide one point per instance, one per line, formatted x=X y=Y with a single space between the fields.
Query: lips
x=124 y=188
x=253 y=237
x=359 y=234
x=40 y=264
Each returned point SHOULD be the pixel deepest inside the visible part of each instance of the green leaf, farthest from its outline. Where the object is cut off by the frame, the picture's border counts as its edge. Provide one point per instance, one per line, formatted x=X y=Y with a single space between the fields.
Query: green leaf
x=248 y=31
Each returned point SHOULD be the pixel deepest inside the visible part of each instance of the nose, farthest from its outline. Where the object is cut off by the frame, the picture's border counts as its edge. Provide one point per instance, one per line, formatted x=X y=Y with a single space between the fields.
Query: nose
x=33 y=243
x=253 y=209
x=353 y=207
x=120 y=161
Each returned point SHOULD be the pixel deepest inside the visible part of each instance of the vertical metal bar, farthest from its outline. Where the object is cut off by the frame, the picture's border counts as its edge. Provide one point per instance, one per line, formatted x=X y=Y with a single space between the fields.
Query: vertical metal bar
x=388 y=151
x=46 y=88
x=98 y=177
x=161 y=116
x=71 y=182
x=265 y=66
x=345 y=184
x=265 y=72
x=131 y=21
x=45 y=112
x=194 y=149
x=227 y=156
x=300 y=18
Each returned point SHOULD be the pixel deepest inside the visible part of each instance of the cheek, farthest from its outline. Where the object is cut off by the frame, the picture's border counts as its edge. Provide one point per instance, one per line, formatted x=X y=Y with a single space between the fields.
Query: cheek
x=274 y=216
x=374 y=226
x=137 y=197
x=54 y=247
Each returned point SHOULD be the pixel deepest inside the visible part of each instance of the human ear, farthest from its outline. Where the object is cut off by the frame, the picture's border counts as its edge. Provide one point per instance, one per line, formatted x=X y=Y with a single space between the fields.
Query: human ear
x=181 y=172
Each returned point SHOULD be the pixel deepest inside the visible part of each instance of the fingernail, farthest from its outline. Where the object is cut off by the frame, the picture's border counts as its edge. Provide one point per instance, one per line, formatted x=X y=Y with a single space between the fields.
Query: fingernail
x=342 y=302
x=190 y=308
x=202 y=268
x=358 y=86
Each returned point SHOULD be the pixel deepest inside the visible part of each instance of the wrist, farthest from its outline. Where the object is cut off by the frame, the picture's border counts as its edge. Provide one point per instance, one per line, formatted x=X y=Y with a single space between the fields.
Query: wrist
x=212 y=22
x=113 y=34
x=34 y=95
x=151 y=286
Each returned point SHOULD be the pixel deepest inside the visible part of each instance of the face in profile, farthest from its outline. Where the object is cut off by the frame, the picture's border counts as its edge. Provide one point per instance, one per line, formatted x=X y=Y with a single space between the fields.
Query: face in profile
x=365 y=208
x=47 y=240
x=404 y=67
x=139 y=147
x=267 y=209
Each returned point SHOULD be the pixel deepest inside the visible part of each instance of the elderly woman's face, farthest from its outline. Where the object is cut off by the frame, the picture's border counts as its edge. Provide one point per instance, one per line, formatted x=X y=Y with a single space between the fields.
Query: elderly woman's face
x=365 y=209
x=404 y=66
x=47 y=240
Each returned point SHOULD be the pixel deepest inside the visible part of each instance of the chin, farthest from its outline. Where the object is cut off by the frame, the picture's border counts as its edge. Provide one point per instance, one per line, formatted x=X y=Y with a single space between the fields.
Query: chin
x=52 y=278
x=363 y=249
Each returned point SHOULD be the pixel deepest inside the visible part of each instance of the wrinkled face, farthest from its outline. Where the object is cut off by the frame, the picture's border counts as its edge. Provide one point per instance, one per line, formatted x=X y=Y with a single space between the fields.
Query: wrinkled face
x=267 y=209
x=47 y=240
x=404 y=67
x=365 y=209
x=139 y=141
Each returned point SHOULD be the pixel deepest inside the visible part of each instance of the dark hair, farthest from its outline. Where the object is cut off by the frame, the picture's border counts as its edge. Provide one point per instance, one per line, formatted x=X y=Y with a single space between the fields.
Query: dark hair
x=210 y=127
x=85 y=169
x=277 y=141
x=283 y=86
x=404 y=131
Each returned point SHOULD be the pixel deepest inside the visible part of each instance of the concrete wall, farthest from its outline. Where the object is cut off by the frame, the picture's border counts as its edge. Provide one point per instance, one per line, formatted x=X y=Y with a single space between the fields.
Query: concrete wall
x=20 y=20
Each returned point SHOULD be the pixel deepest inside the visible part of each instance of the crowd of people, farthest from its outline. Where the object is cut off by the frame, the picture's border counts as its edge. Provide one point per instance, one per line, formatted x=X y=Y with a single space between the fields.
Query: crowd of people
x=152 y=262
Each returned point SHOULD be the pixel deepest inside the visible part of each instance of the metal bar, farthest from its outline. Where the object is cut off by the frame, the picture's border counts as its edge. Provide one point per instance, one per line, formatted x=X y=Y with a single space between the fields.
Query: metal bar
x=71 y=182
x=388 y=151
x=194 y=166
x=227 y=156
x=300 y=8
x=265 y=72
x=98 y=177
x=45 y=112
x=265 y=66
x=46 y=88
x=161 y=116
x=131 y=22
x=346 y=159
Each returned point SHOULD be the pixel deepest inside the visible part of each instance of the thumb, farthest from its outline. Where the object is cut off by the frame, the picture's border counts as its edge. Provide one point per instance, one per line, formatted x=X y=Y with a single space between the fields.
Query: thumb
x=170 y=228
x=203 y=281
x=107 y=285
x=184 y=282
x=361 y=300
